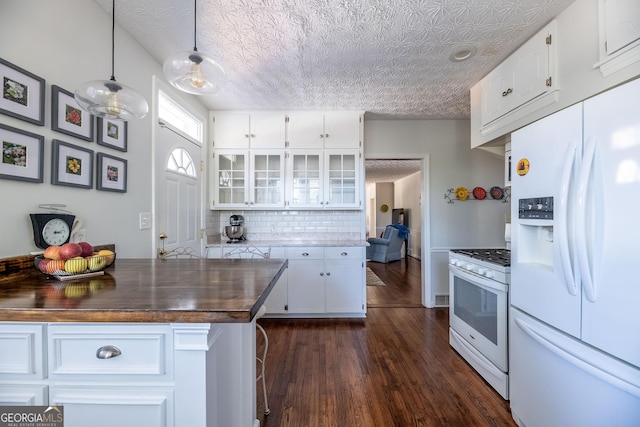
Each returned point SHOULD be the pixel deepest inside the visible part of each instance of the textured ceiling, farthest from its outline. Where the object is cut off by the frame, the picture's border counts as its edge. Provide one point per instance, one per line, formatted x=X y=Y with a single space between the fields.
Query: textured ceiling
x=390 y=170
x=389 y=58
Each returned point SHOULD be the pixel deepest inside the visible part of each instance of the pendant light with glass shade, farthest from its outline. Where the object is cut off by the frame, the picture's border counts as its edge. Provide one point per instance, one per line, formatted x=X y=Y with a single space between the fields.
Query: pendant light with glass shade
x=108 y=98
x=192 y=71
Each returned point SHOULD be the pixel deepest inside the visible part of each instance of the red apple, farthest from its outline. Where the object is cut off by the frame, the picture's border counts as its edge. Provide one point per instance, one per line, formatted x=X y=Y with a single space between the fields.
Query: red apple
x=70 y=250
x=87 y=249
x=42 y=265
x=52 y=252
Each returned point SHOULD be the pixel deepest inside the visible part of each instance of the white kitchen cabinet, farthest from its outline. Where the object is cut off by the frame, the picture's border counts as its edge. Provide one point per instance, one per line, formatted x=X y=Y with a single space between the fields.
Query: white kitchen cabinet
x=527 y=74
x=327 y=280
x=106 y=407
x=324 y=130
x=266 y=185
x=238 y=130
x=306 y=283
x=248 y=179
x=22 y=364
x=133 y=374
x=276 y=302
x=345 y=279
x=327 y=179
x=619 y=34
x=23 y=395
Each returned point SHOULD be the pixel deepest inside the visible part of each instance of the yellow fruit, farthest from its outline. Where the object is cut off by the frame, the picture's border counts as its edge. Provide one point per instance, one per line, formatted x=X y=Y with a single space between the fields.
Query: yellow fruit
x=75 y=265
x=109 y=255
x=96 y=262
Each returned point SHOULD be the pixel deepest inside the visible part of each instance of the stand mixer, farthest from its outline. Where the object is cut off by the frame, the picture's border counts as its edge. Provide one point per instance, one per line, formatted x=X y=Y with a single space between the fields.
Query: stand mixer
x=236 y=232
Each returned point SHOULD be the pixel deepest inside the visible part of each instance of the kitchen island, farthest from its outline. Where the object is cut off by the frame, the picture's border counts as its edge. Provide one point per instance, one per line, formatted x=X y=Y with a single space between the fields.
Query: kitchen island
x=149 y=343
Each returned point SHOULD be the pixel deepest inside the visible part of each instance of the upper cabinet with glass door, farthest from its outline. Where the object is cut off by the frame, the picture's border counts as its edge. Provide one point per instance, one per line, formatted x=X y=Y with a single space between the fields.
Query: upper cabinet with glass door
x=248 y=179
x=325 y=179
x=324 y=130
x=248 y=130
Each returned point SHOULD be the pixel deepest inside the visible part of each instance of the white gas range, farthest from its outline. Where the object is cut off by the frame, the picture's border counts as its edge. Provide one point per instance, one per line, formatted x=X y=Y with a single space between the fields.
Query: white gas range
x=478 y=313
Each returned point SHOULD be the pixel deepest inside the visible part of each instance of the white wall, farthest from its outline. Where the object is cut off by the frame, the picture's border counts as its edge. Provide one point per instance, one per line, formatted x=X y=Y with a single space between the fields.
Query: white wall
x=68 y=42
x=451 y=163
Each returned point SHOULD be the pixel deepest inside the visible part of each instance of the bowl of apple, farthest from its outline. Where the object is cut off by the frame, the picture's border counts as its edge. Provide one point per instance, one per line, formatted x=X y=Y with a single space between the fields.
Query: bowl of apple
x=74 y=259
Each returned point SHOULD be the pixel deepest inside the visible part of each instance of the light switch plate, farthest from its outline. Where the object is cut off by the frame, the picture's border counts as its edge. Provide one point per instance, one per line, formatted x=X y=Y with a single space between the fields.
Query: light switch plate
x=145 y=220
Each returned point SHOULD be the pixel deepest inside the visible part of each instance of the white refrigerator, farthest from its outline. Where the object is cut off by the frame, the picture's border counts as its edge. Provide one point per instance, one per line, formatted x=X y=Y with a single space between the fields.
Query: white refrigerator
x=574 y=326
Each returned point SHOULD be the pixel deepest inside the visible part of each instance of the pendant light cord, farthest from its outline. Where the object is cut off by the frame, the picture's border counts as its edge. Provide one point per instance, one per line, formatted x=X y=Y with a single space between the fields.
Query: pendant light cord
x=195 y=14
x=113 y=30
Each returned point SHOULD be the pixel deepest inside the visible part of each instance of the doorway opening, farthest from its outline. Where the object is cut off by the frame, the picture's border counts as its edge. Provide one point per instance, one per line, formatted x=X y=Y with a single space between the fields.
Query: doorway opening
x=394 y=192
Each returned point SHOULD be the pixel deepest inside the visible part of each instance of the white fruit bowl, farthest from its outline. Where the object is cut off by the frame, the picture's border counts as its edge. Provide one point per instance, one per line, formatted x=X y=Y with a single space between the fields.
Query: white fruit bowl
x=74 y=267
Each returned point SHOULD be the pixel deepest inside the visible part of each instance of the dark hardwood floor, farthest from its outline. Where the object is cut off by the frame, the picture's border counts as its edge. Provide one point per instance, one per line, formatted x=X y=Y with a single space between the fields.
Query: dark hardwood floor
x=394 y=368
x=403 y=284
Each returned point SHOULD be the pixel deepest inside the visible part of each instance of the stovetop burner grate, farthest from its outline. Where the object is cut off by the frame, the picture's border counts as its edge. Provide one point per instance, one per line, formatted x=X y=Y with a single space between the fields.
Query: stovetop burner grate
x=500 y=257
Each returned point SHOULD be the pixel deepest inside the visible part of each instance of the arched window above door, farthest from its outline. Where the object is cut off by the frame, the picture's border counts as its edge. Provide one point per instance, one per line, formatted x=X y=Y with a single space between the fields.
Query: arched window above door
x=181 y=162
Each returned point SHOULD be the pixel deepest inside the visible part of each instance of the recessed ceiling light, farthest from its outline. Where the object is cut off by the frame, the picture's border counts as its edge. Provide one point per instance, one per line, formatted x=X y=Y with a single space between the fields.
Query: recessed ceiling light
x=463 y=54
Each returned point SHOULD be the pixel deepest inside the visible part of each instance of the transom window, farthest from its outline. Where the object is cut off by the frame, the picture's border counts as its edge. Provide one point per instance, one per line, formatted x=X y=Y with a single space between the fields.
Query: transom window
x=178 y=118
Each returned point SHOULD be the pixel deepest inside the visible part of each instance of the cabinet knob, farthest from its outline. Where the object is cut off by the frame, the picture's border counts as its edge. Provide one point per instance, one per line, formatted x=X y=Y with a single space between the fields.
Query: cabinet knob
x=326 y=135
x=328 y=273
x=344 y=254
x=305 y=253
x=321 y=273
x=321 y=135
x=507 y=92
x=108 y=351
x=253 y=135
x=246 y=135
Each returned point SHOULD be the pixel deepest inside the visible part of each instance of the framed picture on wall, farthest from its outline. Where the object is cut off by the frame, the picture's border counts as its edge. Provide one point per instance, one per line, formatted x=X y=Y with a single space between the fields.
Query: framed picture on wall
x=22 y=94
x=112 y=133
x=72 y=165
x=22 y=155
x=111 y=173
x=67 y=117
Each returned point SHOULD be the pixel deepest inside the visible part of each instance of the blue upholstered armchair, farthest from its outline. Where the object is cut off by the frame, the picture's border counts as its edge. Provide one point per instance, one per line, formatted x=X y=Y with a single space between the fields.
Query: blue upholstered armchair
x=387 y=248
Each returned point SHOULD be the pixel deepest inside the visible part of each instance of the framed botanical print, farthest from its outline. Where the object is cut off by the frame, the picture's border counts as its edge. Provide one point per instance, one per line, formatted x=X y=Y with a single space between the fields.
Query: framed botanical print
x=67 y=117
x=22 y=94
x=111 y=173
x=112 y=133
x=72 y=165
x=22 y=155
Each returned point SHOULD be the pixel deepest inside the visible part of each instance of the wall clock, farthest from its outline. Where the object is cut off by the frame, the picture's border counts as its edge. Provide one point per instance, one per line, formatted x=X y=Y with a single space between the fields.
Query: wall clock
x=51 y=229
x=384 y=208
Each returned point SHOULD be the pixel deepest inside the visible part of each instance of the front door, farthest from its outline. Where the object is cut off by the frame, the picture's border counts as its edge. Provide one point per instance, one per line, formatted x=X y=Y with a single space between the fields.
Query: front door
x=179 y=195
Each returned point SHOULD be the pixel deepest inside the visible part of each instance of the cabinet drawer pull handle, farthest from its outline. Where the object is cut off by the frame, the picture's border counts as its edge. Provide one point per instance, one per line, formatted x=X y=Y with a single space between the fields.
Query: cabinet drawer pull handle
x=305 y=253
x=107 y=352
x=507 y=92
x=344 y=254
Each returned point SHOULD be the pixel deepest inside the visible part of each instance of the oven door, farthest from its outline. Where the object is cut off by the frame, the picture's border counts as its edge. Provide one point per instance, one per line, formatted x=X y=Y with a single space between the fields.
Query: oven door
x=478 y=312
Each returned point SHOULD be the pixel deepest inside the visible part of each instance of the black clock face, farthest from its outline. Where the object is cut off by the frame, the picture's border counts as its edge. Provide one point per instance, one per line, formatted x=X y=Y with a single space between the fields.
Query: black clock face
x=51 y=229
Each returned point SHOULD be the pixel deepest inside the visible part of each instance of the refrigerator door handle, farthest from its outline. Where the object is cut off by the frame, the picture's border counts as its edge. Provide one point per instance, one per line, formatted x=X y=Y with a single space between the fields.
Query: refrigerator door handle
x=563 y=237
x=581 y=221
x=601 y=367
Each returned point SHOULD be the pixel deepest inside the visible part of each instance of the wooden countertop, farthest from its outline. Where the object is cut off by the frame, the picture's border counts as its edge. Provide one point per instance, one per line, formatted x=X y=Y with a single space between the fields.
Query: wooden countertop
x=146 y=290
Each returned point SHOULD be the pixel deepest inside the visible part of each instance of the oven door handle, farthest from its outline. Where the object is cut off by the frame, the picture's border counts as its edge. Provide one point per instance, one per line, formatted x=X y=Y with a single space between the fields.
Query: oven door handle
x=490 y=285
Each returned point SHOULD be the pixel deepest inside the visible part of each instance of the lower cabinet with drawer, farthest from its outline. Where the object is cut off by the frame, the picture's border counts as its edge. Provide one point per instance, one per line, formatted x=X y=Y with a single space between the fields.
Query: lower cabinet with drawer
x=326 y=281
x=132 y=374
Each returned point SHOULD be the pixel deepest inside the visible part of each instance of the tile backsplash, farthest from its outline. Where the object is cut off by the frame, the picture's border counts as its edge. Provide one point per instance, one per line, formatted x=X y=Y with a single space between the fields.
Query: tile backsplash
x=289 y=225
